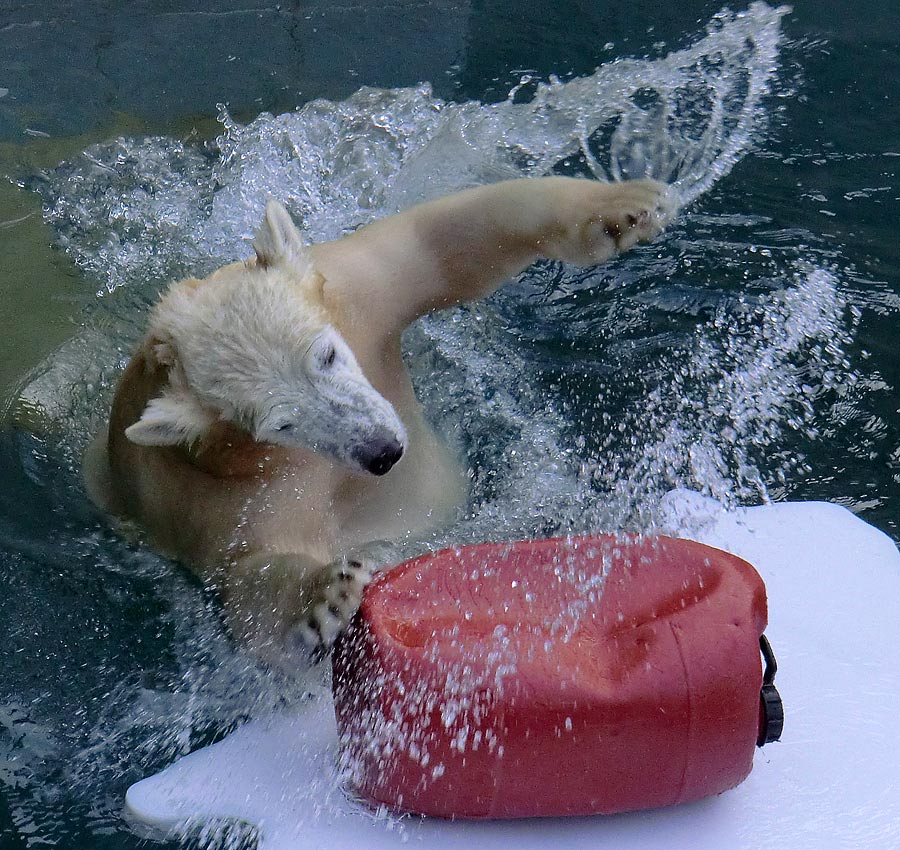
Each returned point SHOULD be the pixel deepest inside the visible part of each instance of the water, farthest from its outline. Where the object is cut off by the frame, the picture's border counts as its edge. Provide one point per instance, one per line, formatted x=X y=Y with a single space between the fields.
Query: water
x=749 y=353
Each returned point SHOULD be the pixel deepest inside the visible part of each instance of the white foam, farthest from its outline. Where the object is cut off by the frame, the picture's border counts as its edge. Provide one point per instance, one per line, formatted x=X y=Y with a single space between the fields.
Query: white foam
x=833 y=583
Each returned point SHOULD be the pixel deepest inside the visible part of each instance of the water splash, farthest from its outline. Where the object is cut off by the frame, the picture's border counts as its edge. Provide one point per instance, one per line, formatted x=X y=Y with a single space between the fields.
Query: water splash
x=719 y=426
x=691 y=131
x=150 y=209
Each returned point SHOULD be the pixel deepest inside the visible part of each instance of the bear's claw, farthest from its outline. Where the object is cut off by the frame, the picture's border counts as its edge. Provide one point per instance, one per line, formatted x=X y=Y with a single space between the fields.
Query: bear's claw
x=604 y=219
x=339 y=594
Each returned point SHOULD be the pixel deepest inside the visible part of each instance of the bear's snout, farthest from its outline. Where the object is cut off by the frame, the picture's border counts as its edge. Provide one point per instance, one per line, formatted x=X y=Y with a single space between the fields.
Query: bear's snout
x=378 y=456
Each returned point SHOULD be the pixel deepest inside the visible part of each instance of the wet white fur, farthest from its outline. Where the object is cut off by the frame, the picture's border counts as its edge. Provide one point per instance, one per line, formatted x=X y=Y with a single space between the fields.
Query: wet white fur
x=255 y=348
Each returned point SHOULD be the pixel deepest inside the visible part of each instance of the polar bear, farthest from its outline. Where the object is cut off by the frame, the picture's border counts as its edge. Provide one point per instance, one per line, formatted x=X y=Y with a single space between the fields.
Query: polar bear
x=266 y=427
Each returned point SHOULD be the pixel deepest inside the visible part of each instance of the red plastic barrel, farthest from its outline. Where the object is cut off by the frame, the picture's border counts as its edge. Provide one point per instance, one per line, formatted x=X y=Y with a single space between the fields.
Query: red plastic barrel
x=559 y=677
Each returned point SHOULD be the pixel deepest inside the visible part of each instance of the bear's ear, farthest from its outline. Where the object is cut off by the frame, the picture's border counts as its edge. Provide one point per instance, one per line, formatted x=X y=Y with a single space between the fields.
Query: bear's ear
x=175 y=417
x=278 y=240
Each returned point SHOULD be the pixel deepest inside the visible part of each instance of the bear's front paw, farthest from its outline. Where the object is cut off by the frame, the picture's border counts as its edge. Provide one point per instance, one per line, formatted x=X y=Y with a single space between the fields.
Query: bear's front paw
x=612 y=217
x=339 y=590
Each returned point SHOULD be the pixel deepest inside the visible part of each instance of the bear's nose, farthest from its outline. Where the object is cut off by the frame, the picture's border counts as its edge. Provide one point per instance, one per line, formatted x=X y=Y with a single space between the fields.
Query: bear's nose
x=378 y=456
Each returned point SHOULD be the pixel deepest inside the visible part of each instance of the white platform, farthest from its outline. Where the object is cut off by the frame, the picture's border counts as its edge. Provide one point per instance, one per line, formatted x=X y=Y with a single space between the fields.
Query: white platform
x=833 y=782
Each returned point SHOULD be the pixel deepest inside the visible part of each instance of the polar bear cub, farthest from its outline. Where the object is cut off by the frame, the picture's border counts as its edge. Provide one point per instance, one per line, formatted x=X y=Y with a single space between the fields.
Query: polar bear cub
x=266 y=429
x=257 y=349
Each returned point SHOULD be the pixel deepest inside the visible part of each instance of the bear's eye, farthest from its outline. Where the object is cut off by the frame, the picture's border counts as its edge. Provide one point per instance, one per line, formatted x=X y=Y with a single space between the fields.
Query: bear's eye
x=285 y=426
x=328 y=357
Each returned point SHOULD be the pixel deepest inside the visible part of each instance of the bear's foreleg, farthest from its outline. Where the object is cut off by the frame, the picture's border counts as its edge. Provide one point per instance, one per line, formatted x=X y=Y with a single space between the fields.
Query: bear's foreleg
x=462 y=247
x=482 y=237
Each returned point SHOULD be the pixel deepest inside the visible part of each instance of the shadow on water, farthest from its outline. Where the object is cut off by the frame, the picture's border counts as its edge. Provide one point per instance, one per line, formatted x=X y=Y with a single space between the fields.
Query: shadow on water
x=750 y=353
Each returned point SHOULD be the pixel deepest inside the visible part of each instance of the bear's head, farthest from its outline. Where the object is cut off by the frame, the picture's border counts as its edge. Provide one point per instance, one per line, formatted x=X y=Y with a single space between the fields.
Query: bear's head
x=253 y=345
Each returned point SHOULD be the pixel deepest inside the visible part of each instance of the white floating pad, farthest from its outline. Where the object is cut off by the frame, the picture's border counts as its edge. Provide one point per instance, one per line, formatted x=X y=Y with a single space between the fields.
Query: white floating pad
x=833 y=781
